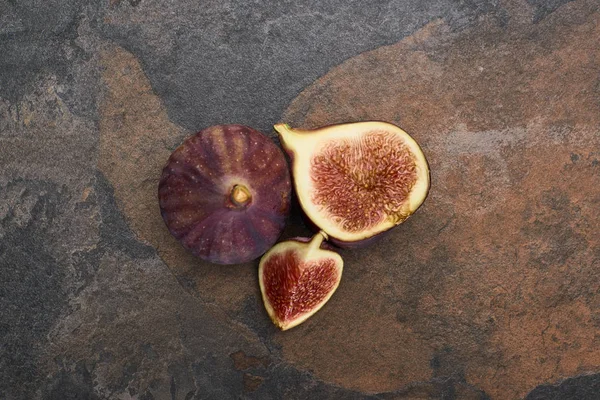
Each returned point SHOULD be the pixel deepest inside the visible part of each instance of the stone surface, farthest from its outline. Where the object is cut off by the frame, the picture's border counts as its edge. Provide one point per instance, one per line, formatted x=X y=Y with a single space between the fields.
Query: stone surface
x=491 y=291
x=496 y=278
x=581 y=387
x=244 y=61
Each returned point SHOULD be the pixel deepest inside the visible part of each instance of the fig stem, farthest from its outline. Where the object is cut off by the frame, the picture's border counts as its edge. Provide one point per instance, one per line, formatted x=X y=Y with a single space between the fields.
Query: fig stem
x=315 y=242
x=285 y=132
x=240 y=195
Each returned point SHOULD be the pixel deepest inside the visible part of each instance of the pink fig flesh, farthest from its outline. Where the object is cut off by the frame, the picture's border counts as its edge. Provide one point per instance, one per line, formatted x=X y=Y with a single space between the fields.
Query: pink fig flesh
x=225 y=194
x=356 y=181
x=297 y=279
x=357 y=191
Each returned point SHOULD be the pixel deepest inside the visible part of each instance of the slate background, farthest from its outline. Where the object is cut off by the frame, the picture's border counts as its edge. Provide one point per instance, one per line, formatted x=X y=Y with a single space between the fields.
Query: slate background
x=96 y=300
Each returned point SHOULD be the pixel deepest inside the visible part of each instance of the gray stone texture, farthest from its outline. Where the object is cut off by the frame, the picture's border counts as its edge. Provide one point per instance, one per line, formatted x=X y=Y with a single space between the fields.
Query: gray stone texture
x=96 y=301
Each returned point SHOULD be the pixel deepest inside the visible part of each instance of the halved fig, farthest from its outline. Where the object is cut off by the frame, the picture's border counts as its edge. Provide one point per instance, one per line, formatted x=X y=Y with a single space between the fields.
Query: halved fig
x=225 y=194
x=356 y=181
x=297 y=277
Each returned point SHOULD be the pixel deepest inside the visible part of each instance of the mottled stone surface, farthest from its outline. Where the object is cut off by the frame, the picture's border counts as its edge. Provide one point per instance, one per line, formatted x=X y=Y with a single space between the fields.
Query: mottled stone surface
x=496 y=278
x=490 y=291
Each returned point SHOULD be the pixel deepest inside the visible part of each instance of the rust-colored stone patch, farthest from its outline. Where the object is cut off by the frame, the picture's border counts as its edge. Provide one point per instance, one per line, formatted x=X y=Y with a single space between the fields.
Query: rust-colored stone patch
x=136 y=139
x=252 y=382
x=242 y=361
x=496 y=279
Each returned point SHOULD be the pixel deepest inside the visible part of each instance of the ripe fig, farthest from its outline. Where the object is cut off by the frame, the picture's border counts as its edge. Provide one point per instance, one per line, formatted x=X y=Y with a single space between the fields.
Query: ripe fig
x=225 y=194
x=356 y=181
x=297 y=277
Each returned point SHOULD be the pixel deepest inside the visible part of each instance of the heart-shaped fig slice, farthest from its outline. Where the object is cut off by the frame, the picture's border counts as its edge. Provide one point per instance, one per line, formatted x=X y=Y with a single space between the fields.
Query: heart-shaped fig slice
x=297 y=277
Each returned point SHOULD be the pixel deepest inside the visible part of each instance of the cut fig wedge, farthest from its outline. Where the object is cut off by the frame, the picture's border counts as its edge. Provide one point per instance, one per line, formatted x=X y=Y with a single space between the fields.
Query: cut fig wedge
x=297 y=277
x=356 y=181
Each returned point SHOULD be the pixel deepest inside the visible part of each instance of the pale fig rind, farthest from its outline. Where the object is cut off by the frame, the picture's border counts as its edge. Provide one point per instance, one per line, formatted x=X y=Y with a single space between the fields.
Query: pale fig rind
x=225 y=194
x=356 y=181
x=297 y=278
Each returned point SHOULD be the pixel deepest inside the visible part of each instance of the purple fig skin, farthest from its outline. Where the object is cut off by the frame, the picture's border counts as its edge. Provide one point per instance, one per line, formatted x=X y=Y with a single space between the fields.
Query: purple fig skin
x=360 y=243
x=324 y=245
x=203 y=209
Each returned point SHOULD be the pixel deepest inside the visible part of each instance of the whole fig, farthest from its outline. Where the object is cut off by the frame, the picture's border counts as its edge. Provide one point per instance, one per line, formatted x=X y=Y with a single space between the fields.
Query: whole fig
x=225 y=194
